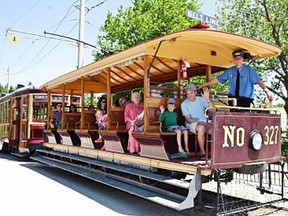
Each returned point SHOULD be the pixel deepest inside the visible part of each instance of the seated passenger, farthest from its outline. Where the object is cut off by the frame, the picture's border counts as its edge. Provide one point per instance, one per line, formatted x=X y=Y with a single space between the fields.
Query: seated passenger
x=170 y=119
x=73 y=108
x=102 y=104
x=101 y=121
x=193 y=109
x=133 y=116
x=91 y=108
x=56 y=118
x=123 y=101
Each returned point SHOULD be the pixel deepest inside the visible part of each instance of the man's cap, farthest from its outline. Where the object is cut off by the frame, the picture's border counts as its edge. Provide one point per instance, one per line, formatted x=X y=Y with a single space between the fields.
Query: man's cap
x=191 y=87
x=238 y=53
x=171 y=101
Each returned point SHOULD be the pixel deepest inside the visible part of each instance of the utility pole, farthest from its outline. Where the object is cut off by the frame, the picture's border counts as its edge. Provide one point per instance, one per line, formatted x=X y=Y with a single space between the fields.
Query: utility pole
x=81 y=35
x=8 y=82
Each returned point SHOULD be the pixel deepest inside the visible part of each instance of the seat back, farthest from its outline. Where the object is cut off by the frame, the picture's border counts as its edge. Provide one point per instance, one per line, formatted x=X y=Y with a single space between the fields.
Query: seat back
x=117 y=121
x=71 y=120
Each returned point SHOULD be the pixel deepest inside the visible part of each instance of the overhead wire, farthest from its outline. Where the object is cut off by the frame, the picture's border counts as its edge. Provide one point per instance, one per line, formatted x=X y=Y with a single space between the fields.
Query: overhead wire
x=97 y=5
x=25 y=13
x=41 y=50
x=4 y=40
x=27 y=68
x=36 y=35
x=22 y=54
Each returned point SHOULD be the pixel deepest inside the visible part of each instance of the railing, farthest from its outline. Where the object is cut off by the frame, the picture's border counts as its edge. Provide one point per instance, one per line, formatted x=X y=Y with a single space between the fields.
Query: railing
x=271 y=178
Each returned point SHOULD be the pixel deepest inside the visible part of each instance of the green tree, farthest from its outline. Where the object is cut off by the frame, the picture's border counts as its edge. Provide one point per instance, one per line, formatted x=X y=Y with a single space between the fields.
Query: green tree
x=3 y=89
x=267 y=21
x=145 y=20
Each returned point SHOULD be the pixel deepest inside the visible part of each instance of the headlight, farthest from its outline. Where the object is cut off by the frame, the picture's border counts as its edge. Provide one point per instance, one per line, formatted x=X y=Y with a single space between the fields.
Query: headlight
x=256 y=140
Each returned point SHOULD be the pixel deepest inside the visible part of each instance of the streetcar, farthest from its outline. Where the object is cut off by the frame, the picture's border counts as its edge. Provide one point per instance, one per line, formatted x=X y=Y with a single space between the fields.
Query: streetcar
x=237 y=141
x=23 y=118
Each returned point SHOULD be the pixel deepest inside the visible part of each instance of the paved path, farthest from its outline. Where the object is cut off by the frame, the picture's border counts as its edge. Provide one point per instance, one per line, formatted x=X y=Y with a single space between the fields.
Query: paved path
x=30 y=188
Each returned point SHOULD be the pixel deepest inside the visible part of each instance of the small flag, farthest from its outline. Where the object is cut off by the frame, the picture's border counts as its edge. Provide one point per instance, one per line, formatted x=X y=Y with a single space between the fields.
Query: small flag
x=14 y=38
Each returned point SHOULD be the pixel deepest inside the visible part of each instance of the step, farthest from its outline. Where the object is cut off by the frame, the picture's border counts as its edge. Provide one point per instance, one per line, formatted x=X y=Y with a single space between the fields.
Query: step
x=111 y=182
x=125 y=169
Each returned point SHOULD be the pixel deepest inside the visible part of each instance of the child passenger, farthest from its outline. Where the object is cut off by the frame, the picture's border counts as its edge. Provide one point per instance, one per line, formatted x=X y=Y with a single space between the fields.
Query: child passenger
x=101 y=121
x=170 y=119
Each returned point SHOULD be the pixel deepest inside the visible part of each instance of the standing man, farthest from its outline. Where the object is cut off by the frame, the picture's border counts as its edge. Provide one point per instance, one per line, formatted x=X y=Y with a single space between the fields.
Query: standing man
x=242 y=79
x=193 y=109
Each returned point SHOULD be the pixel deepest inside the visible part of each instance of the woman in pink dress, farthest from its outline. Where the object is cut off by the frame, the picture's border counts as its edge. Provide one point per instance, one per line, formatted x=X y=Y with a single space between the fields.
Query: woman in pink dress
x=134 y=121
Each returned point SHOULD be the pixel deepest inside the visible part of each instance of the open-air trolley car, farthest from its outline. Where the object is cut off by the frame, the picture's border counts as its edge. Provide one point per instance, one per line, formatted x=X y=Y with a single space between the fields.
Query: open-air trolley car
x=238 y=141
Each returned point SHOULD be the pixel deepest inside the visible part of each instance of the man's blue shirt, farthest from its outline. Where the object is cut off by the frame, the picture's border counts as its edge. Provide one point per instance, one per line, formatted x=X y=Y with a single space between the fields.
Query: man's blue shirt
x=248 y=78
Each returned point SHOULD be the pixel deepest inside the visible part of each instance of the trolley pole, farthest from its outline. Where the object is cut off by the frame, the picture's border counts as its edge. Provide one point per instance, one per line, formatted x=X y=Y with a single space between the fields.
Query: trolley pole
x=81 y=36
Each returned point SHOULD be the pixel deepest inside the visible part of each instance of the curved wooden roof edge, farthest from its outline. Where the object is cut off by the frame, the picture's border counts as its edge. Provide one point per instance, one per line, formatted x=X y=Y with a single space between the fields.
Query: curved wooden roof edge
x=203 y=46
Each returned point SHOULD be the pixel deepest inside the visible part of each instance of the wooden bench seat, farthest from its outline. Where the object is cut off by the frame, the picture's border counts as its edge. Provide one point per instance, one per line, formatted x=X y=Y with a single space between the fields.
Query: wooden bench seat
x=67 y=133
x=116 y=137
x=71 y=120
x=155 y=142
x=88 y=130
x=89 y=121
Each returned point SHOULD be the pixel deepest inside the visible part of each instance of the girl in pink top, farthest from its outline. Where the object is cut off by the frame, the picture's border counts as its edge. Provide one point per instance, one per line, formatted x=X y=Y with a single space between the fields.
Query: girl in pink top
x=134 y=121
x=101 y=121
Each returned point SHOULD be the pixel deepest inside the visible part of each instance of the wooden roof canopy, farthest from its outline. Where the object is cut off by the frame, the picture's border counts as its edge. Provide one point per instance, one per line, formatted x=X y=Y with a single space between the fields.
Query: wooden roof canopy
x=198 y=46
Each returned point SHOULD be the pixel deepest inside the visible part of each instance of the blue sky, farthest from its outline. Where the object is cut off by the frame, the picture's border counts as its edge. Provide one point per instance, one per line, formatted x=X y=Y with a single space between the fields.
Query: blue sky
x=37 y=59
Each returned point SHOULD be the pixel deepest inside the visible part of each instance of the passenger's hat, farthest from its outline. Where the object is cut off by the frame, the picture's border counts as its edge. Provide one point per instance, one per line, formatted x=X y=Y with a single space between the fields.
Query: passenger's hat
x=171 y=101
x=191 y=87
x=238 y=53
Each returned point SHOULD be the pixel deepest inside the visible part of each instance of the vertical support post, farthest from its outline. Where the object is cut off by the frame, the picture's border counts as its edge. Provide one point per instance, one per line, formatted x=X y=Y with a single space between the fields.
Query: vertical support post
x=109 y=98
x=49 y=105
x=20 y=116
x=82 y=103
x=71 y=97
x=63 y=106
x=10 y=103
x=146 y=91
x=30 y=113
x=180 y=82
x=92 y=97
x=208 y=73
